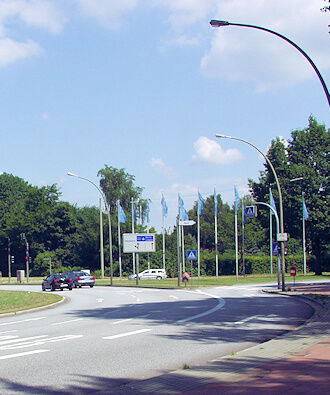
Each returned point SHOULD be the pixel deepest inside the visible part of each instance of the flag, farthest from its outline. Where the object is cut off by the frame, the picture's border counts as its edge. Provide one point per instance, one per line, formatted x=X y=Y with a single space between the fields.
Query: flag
x=134 y=212
x=148 y=212
x=201 y=202
x=244 y=216
x=121 y=214
x=165 y=209
x=237 y=200
x=215 y=203
x=184 y=215
x=180 y=207
x=305 y=212
x=272 y=202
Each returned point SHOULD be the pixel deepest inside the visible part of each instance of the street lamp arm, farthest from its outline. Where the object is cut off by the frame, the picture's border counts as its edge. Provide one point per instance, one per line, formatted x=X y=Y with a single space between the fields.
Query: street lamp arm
x=216 y=23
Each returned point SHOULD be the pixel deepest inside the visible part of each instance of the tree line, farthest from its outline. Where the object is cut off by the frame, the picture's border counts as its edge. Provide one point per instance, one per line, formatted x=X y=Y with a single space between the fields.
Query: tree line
x=70 y=235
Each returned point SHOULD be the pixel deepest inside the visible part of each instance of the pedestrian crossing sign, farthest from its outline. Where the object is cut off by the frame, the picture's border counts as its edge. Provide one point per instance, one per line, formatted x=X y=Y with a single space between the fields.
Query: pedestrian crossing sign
x=250 y=212
x=191 y=255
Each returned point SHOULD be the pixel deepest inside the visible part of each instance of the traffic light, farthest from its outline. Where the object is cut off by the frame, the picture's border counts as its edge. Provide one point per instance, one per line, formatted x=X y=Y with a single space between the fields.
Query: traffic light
x=12 y=259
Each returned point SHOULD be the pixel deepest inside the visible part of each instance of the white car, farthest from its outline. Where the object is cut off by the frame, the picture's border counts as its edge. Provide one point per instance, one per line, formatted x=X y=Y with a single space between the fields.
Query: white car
x=150 y=274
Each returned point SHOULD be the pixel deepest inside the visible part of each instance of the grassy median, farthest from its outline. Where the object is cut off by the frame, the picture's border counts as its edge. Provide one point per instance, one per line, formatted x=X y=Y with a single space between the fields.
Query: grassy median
x=13 y=301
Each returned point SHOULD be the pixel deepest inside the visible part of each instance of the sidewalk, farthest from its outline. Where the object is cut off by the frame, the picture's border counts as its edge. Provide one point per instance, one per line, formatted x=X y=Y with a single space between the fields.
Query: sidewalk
x=297 y=362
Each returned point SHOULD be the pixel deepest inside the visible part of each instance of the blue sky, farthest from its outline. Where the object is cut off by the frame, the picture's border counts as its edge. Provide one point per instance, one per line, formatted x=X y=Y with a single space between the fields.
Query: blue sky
x=145 y=85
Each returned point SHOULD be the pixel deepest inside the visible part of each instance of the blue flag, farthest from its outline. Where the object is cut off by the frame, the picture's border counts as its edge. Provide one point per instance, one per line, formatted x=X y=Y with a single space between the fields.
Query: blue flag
x=184 y=215
x=237 y=200
x=272 y=203
x=165 y=209
x=134 y=213
x=180 y=207
x=201 y=202
x=215 y=203
x=148 y=212
x=305 y=212
x=121 y=214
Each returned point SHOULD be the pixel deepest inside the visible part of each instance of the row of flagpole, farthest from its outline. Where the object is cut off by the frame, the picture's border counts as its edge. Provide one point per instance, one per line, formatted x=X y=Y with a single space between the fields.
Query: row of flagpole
x=183 y=216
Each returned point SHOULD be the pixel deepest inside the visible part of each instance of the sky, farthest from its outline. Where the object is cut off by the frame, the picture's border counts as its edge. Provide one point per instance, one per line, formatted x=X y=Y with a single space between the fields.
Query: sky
x=145 y=85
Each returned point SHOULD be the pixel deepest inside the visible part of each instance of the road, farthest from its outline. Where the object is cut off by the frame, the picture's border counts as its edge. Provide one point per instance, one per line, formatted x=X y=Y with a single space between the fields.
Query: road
x=102 y=337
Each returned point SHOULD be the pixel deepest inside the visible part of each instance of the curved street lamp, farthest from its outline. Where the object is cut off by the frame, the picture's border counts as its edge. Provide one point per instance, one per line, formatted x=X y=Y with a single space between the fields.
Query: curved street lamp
x=109 y=219
x=279 y=196
x=218 y=23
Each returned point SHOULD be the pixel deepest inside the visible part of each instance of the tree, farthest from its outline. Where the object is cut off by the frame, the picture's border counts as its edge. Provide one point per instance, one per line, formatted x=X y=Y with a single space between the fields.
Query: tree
x=307 y=156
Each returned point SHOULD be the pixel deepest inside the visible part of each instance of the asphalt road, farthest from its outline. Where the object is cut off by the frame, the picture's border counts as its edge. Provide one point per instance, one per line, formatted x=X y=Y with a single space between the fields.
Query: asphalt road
x=102 y=337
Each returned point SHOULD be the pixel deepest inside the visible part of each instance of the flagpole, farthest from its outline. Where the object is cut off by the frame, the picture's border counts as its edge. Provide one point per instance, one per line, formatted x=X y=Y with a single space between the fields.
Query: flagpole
x=163 y=226
x=101 y=240
x=243 y=241
x=216 y=235
x=119 y=241
x=236 y=246
x=304 y=237
x=133 y=231
x=270 y=235
x=198 y=237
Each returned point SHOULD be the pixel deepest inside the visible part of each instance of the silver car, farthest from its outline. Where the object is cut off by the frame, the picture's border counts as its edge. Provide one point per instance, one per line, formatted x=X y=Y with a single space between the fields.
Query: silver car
x=81 y=278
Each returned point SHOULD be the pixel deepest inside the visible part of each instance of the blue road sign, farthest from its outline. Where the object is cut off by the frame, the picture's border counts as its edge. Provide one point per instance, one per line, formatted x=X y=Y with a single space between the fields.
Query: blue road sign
x=192 y=255
x=275 y=246
x=145 y=238
x=250 y=212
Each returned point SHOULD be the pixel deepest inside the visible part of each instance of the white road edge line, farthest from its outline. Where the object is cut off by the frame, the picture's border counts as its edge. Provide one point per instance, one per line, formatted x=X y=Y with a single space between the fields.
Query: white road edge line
x=22 y=354
x=220 y=304
x=126 y=334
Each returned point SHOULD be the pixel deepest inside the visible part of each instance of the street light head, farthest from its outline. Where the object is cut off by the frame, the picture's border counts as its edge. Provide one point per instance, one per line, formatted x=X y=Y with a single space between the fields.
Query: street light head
x=72 y=174
x=222 y=136
x=296 y=179
x=216 y=23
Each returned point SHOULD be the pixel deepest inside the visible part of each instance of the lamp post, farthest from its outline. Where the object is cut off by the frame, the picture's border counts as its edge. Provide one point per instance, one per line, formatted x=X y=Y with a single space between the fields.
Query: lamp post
x=218 y=23
x=279 y=196
x=109 y=219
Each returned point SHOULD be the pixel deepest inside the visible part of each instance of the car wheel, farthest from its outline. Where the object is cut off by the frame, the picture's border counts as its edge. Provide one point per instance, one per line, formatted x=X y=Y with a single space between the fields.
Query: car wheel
x=158 y=278
x=52 y=288
x=79 y=286
x=70 y=289
x=91 y=286
x=43 y=288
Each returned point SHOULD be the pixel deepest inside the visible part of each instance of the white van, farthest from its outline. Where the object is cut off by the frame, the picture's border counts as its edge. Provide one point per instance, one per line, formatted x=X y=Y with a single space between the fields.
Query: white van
x=150 y=274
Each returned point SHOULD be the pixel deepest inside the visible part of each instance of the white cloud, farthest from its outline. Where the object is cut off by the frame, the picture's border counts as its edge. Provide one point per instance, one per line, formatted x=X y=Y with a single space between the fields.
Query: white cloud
x=160 y=167
x=11 y=51
x=38 y=13
x=34 y=13
x=210 y=151
x=108 y=13
x=250 y=55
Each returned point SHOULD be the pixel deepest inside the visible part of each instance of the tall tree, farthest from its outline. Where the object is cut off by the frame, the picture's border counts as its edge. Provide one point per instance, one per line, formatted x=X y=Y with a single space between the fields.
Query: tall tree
x=307 y=156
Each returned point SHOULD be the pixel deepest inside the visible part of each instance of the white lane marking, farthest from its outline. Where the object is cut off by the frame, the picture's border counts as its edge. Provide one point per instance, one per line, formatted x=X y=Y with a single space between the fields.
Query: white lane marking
x=14 y=330
x=3 y=344
x=23 y=343
x=130 y=319
x=100 y=300
x=126 y=334
x=67 y=322
x=259 y=317
x=173 y=297
x=19 y=322
x=8 y=337
x=220 y=304
x=22 y=354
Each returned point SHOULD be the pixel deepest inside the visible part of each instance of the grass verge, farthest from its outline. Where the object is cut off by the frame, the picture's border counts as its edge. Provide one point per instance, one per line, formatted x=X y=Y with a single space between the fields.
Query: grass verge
x=13 y=301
